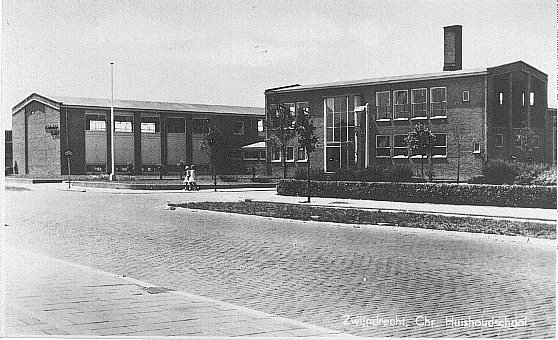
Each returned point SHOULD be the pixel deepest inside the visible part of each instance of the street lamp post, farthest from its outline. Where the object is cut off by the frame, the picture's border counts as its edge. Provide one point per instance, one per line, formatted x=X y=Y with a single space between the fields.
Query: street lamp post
x=112 y=167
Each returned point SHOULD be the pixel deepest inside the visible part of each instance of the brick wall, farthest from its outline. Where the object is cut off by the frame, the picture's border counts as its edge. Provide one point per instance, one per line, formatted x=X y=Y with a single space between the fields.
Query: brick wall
x=43 y=149
x=465 y=119
x=18 y=139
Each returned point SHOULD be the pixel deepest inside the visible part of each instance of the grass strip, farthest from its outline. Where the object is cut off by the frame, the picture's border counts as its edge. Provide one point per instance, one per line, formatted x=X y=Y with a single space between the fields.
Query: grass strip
x=374 y=217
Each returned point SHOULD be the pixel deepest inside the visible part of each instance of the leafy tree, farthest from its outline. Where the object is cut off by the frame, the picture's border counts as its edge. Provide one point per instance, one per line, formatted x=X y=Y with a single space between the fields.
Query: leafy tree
x=421 y=141
x=281 y=124
x=307 y=138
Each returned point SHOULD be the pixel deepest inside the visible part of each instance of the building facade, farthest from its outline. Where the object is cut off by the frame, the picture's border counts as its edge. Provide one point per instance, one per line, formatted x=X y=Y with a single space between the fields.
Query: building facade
x=476 y=115
x=54 y=134
x=8 y=153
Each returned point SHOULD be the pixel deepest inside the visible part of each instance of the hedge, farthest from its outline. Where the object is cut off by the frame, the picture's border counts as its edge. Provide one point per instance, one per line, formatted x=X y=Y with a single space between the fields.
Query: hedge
x=439 y=193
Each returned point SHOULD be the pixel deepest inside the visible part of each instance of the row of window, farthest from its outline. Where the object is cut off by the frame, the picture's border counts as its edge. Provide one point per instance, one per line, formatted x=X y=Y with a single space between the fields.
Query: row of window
x=97 y=122
x=289 y=154
x=420 y=106
x=519 y=141
x=396 y=146
x=502 y=99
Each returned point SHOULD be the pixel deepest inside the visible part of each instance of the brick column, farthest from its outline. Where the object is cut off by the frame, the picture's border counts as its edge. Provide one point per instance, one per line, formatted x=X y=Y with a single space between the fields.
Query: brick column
x=137 y=142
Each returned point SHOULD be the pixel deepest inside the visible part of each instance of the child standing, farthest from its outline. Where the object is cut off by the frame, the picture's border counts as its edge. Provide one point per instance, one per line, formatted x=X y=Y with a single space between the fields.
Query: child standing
x=186 y=177
x=191 y=175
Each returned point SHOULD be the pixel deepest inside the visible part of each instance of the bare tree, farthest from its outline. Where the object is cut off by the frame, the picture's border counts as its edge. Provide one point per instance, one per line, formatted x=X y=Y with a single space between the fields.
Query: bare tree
x=421 y=141
x=307 y=139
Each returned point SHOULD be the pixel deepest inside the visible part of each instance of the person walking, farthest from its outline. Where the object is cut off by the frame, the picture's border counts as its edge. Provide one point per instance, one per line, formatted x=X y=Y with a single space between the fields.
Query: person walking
x=191 y=174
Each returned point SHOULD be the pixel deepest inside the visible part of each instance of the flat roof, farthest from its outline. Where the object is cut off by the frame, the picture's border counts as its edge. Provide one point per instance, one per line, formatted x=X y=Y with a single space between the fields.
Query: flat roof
x=142 y=105
x=383 y=80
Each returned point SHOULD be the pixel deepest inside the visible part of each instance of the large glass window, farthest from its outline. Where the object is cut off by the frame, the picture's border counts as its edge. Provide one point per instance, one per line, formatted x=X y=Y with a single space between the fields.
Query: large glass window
x=95 y=122
x=383 y=106
x=400 y=148
x=123 y=123
x=438 y=102
x=341 y=122
x=401 y=104
x=176 y=125
x=440 y=145
x=150 y=124
x=383 y=146
x=418 y=103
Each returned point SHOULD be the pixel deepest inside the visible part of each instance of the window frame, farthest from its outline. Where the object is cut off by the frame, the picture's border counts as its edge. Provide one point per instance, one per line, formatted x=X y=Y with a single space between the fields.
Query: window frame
x=388 y=114
x=241 y=133
x=405 y=105
x=476 y=147
x=275 y=151
x=168 y=125
x=287 y=158
x=383 y=147
x=155 y=121
x=395 y=147
x=303 y=149
x=466 y=96
x=445 y=101
x=445 y=155
x=261 y=125
x=119 y=123
x=425 y=103
x=499 y=140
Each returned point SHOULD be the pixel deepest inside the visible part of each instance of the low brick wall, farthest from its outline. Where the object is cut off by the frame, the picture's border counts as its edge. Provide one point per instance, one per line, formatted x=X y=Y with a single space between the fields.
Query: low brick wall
x=438 y=193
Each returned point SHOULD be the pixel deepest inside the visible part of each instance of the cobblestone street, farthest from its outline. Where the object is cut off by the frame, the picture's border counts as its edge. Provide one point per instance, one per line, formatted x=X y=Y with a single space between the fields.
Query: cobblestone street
x=336 y=276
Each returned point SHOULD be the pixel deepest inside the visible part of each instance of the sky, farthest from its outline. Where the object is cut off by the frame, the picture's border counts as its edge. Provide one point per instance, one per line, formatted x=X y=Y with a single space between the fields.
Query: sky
x=229 y=52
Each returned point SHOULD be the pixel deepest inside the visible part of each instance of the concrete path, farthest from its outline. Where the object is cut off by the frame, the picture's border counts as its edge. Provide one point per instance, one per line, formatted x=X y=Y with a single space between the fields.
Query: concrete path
x=46 y=296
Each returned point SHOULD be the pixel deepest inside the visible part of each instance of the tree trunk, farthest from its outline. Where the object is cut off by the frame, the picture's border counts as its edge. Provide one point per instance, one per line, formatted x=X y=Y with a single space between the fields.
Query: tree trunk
x=308 y=176
x=430 y=168
x=422 y=166
x=283 y=160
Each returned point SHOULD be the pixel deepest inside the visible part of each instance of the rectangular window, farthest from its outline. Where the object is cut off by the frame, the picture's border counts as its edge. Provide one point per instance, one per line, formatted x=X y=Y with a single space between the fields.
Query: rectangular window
x=418 y=103
x=383 y=146
x=465 y=96
x=341 y=143
x=260 y=125
x=289 y=154
x=517 y=141
x=275 y=154
x=401 y=104
x=292 y=112
x=400 y=149
x=438 y=102
x=501 y=98
x=123 y=123
x=523 y=99
x=263 y=154
x=476 y=148
x=301 y=154
x=95 y=122
x=499 y=140
x=440 y=145
x=238 y=128
x=176 y=125
x=200 y=126
x=150 y=124
x=250 y=154
x=532 y=98
x=383 y=106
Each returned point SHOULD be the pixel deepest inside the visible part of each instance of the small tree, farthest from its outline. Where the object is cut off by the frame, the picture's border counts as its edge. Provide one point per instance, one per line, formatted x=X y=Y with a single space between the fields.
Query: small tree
x=307 y=139
x=281 y=124
x=421 y=141
x=213 y=145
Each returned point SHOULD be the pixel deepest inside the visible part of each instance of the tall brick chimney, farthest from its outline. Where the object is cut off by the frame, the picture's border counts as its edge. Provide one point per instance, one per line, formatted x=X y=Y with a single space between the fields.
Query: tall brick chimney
x=452 y=48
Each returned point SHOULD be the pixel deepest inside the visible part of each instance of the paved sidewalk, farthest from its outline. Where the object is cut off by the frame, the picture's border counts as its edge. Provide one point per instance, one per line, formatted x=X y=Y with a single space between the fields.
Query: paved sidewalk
x=46 y=296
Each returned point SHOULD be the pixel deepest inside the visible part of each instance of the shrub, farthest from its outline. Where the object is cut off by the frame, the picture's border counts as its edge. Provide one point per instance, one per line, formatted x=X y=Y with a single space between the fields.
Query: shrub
x=499 y=172
x=528 y=173
x=373 y=173
x=477 y=180
x=439 y=193
x=345 y=175
x=399 y=173
x=226 y=178
x=315 y=175
x=547 y=177
x=260 y=180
